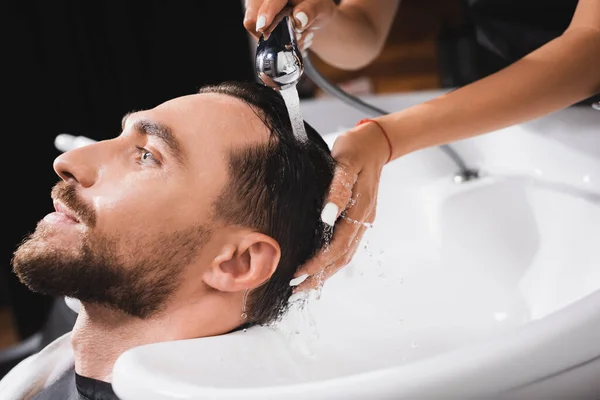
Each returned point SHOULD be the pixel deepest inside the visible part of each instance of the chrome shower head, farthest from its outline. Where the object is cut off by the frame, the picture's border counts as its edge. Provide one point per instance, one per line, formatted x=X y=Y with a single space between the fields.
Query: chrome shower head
x=278 y=61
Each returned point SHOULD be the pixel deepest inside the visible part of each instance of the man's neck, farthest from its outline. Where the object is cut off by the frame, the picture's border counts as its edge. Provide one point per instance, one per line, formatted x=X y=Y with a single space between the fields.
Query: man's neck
x=101 y=335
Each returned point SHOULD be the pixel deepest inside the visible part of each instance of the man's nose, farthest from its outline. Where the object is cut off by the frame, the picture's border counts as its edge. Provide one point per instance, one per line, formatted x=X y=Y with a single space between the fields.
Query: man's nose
x=79 y=165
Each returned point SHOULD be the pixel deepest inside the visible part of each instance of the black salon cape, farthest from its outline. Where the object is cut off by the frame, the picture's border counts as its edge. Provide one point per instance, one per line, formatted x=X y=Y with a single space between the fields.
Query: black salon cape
x=72 y=386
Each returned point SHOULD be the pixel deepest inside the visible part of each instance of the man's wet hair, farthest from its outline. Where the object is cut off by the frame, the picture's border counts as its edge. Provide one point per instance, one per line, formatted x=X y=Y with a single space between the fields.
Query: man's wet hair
x=277 y=188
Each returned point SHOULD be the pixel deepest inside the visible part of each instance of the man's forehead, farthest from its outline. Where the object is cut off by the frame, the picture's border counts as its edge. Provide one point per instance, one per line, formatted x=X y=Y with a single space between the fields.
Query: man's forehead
x=212 y=114
x=204 y=99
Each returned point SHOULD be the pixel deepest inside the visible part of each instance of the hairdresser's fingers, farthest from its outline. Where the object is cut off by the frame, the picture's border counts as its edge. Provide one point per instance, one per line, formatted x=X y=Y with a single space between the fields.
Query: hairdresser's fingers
x=251 y=15
x=360 y=212
x=346 y=228
x=340 y=194
x=339 y=246
x=300 y=38
x=260 y=15
x=346 y=257
x=318 y=279
x=267 y=15
x=311 y=14
x=338 y=200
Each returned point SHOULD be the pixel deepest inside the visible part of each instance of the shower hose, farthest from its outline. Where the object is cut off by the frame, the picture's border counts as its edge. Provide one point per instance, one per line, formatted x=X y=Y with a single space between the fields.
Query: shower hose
x=309 y=69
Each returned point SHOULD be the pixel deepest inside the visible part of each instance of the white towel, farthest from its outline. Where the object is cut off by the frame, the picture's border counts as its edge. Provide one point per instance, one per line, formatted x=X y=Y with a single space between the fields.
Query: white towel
x=38 y=371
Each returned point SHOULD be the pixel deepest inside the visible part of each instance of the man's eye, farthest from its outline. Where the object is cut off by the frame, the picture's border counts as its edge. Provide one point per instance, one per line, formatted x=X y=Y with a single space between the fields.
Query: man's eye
x=146 y=156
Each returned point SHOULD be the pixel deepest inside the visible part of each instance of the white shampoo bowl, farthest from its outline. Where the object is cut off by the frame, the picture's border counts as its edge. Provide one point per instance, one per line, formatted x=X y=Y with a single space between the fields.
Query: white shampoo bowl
x=485 y=289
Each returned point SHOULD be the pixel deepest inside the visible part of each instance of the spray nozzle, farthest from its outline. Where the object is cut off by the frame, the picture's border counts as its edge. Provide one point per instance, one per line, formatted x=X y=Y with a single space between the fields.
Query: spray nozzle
x=278 y=61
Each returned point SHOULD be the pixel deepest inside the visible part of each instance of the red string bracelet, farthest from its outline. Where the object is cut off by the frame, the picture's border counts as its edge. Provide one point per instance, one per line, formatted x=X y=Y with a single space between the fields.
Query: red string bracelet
x=387 y=138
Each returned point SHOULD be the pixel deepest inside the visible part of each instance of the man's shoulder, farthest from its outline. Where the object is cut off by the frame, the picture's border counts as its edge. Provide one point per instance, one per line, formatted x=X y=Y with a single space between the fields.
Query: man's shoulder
x=38 y=370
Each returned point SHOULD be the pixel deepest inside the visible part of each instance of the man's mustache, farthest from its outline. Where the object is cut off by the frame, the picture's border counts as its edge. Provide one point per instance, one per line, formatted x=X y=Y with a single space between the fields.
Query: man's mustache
x=67 y=194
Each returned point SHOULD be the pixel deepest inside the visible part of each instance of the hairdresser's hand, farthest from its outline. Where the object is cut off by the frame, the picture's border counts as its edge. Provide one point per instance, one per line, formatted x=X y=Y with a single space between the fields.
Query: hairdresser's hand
x=308 y=16
x=361 y=154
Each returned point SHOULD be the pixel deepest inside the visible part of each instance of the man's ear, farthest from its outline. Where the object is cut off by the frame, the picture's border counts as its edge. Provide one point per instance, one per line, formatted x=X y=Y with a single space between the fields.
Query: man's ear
x=245 y=262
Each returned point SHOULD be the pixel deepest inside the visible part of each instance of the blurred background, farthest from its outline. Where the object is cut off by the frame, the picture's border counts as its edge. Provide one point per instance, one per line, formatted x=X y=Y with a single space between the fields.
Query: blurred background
x=416 y=55
x=78 y=67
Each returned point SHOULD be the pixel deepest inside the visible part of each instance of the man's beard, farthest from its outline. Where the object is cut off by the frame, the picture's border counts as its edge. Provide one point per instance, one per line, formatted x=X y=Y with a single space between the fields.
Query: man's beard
x=132 y=275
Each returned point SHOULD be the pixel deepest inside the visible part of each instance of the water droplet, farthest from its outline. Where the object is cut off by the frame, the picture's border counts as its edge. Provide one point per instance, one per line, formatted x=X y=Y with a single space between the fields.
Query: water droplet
x=245 y=330
x=414 y=345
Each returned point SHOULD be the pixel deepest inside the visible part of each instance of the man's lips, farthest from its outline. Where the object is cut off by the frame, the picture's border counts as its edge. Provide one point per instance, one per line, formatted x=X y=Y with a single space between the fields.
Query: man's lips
x=62 y=209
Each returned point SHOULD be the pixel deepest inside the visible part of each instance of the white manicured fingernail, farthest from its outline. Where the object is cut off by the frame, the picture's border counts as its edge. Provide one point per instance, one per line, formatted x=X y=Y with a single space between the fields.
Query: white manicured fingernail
x=261 y=22
x=298 y=280
x=298 y=35
x=329 y=213
x=303 y=18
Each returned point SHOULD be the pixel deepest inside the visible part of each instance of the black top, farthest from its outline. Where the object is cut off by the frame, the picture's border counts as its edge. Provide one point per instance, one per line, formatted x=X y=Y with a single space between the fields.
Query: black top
x=513 y=28
x=507 y=30
x=92 y=389
x=72 y=386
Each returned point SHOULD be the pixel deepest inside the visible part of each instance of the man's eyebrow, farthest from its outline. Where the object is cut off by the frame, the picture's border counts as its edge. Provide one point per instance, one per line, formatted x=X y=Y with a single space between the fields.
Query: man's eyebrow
x=161 y=131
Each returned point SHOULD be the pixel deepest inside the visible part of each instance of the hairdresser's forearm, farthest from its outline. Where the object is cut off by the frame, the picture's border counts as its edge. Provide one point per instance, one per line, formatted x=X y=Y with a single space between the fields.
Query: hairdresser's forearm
x=557 y=75
x=354 y=37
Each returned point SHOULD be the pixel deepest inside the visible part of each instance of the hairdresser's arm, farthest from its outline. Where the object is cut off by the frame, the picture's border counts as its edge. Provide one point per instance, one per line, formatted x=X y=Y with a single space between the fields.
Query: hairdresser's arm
x=557 y=75
x=348 y=36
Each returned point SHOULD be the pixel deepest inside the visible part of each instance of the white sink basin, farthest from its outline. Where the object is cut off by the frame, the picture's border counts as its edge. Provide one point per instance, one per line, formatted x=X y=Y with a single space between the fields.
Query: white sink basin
x=486 y=288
